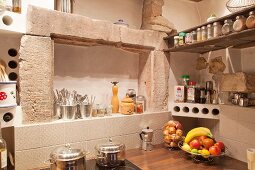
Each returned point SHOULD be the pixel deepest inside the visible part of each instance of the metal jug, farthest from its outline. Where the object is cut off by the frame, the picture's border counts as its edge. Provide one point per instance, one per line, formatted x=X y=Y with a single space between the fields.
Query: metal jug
x=146 y=136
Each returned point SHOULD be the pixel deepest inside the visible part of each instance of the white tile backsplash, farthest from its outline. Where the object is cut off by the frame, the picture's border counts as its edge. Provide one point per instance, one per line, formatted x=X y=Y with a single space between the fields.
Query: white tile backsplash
x=34 y=143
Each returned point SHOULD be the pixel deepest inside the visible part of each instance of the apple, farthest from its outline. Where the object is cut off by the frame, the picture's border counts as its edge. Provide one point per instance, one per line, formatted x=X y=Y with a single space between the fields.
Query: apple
x=207 y=143
x=214 y=150
x=194 y=144
x=201 y=138
x=220 y=145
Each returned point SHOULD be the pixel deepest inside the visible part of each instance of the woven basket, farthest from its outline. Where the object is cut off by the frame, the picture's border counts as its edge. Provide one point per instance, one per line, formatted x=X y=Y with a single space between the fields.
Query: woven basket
x=237 y=5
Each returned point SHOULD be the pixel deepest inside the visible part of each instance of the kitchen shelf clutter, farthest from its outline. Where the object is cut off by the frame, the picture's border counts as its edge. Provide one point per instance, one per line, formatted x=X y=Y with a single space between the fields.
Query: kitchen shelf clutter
x=12 y=23
x=240 y=37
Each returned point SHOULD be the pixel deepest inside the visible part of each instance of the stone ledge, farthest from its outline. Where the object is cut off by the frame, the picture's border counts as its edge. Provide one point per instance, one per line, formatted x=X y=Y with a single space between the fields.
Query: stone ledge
x=55 y=22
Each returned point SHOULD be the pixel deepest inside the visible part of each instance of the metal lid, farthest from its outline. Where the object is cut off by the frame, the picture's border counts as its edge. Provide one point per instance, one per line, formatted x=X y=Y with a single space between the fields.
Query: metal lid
x=110 y=147
x=147 y=130
x=66 y=153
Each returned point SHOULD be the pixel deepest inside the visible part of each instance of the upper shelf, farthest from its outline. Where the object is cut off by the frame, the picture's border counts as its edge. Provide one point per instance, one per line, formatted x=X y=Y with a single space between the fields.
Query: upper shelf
x=242 y=39
x=12 y=23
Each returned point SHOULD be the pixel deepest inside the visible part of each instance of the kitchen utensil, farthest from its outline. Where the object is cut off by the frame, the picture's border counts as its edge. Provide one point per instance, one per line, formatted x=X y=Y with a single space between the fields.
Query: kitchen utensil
x=68 y=112
x=251 y=158
x=110 y=154
x=85 y=110
x=65 y=157
x=146 y=137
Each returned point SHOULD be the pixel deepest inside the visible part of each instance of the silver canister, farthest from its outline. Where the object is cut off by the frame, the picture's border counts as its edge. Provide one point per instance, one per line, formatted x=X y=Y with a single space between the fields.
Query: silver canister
x=244 y=102
x=68 y=112
x=85 y=110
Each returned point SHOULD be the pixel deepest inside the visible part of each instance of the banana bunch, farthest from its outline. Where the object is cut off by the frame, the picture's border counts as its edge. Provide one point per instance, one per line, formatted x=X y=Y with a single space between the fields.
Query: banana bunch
x=200 y=131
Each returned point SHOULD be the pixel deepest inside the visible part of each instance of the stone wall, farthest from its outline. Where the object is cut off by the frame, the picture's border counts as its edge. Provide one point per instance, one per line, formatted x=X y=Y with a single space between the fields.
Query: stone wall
x=37 y=54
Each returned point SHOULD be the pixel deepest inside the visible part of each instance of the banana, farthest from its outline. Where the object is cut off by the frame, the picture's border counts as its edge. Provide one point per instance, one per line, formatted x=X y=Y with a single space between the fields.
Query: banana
x=200 y=131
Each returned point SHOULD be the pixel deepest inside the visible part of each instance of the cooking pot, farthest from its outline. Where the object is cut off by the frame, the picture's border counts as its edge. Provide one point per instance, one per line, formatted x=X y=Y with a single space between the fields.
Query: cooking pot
x=65 y=157
x=110 y=154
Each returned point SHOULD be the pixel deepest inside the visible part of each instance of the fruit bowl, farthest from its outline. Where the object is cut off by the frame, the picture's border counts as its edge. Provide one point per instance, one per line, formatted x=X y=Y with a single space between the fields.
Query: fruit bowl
x=197 y=157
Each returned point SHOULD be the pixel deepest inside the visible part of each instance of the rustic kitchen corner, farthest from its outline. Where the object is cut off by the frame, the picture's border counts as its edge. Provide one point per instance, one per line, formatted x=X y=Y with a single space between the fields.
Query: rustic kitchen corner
x=135 y=84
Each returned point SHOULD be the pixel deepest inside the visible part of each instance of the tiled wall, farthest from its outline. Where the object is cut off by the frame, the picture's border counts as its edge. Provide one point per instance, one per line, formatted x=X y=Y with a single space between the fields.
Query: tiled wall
x=33 y=143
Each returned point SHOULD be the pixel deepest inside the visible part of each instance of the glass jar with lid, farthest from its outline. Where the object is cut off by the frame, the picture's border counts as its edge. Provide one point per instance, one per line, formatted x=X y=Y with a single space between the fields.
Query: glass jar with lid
x=199 y=34
x=240 y=23
x=194 y=37
x=250 y=22
x=227 y=28
x=140 y=104
x=217 y=29
x=204 y=33
x=209 y=31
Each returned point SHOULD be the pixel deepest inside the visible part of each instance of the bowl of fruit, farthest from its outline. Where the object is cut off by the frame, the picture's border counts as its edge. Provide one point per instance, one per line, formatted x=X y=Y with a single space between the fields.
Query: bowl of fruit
x=172 y=132
x=201 y=146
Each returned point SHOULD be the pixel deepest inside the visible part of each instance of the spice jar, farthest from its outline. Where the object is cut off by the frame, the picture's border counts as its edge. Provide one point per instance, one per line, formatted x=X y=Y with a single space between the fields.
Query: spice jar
x=209 y=31
x=204 y=33
x=227 y=28
x=193 y=93
x=240 y=23
x=199 y=34
x=250 y=22
x=185 y=80
x=16 y=6
x=217 y=29
x=127 y=106
x=194 y=37
x=176 y=41
x=140 y=104
x=188 y=38
x=182 y=38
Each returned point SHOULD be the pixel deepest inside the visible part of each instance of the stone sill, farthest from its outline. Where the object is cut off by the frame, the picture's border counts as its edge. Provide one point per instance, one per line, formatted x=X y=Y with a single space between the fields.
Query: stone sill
x=118 y=115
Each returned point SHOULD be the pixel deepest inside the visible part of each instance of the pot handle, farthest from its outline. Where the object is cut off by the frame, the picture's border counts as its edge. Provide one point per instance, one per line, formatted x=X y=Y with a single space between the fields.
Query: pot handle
x=141 y=137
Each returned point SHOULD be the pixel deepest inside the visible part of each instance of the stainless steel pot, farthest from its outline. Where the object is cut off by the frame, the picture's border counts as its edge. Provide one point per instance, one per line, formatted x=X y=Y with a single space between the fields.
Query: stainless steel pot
x=110 y=154
x=63 y=158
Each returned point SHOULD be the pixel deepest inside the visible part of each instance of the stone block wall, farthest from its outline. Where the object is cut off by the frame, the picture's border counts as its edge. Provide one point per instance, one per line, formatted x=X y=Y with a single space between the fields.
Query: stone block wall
x=37 y=56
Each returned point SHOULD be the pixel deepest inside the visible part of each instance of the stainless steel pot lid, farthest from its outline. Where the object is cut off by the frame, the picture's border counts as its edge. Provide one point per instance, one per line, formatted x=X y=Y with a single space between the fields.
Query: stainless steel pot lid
x=110 y=147
x=66 y=153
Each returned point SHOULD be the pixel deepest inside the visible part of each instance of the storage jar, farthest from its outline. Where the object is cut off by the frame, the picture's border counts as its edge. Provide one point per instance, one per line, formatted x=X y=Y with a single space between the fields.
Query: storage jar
x=199 y=34
x=188 y=38
x=193 y=93
x=227 y=28
x=182 y=38
x=140 y=104
x=204 y=33
x=194 y=37
x=209 y=31
x=176 y=41
x=240 y=23
x=250 y=22
x=217 y=29
x=127 y=106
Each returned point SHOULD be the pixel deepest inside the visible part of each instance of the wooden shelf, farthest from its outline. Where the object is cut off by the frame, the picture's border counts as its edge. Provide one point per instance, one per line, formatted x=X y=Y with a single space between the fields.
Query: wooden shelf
x=242 y=39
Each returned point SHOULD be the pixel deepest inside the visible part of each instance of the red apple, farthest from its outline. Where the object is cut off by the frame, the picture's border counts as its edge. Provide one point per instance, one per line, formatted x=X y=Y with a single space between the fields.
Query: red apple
x=201 y=138
x=194 y=144
x=214 y=150
x=220 y=145
x=207 y=143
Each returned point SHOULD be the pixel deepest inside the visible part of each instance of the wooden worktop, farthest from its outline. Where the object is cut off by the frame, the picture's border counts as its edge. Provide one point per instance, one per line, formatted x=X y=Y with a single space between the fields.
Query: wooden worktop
x=161 y=158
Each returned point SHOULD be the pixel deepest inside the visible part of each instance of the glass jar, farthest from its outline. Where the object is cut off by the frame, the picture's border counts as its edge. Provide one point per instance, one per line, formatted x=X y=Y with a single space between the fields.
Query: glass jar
x=240 y=23
x=209 y=31
x=250 y=22
x=2 y=5
x=217 y=29
x=199 y=35
x=176 y=41
x=182 y=38
x=140 y=104
x=194 y=37
x=204 y=33
x=188 y=38
x=16 y=6
x=227 y=28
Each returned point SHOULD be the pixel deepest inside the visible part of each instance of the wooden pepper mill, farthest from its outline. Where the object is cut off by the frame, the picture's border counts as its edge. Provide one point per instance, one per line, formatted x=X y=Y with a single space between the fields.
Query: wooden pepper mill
x=115 y=99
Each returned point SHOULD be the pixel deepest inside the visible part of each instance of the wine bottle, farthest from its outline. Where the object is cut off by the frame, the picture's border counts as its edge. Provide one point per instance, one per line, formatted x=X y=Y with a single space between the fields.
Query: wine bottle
x=3 y=152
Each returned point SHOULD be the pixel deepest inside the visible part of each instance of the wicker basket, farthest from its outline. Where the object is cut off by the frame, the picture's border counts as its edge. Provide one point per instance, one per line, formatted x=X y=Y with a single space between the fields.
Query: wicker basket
x=237 y=5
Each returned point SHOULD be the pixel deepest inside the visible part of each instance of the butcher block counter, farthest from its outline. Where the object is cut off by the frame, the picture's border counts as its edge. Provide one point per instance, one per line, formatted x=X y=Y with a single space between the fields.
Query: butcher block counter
x=161 y=158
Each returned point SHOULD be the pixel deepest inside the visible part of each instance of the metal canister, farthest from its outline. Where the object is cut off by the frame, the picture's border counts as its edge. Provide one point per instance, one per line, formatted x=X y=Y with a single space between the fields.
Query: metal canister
x=131 y=94
x=244 y=102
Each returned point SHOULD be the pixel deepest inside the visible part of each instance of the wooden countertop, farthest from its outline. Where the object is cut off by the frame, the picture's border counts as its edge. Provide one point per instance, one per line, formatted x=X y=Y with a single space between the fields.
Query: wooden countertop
x=161 y=158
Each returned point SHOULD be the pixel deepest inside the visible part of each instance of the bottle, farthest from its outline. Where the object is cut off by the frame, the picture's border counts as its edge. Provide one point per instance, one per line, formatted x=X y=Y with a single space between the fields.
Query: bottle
x=250 y=22
x=16 y=6
x=3 y=152
x=227 y=28
x=209 y=31
x=204 y=33
x=239 y=24
x=202 y=96
x=115 y=99
x=193 y=93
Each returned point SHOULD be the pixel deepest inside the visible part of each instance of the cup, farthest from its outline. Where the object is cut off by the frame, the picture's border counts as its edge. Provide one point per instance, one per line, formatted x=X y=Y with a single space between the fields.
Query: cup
x=85 y=110
x=68 y=112
x=251 y=158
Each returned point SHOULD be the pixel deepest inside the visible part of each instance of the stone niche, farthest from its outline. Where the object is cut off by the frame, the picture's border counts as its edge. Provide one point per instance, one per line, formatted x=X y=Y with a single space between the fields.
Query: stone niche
x=37 y=57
